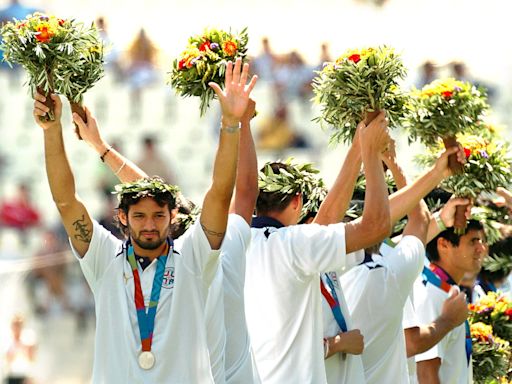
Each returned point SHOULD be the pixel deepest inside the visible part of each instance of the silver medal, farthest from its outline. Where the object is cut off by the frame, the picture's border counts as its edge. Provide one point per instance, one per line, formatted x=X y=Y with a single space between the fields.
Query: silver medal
x=146 y=360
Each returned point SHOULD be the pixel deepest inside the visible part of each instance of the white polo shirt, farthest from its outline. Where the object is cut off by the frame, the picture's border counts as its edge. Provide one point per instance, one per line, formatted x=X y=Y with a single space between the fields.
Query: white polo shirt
x=376 y=293
x=283 y=300
x=428 y=302
x=179 y=339
x=340 y=368
x=239 y=360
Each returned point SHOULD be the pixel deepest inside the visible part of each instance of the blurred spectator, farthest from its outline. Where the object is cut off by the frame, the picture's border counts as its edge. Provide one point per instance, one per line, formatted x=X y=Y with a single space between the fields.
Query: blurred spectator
x=428 y=73
x=460 y=72
x=20 y=353
x=325 y=55
x=263 y=64
x=20 y=213
x=49 y=275
x=112 y=55
x=277 y=134
x=142 y=57
x=107 y=216
x=153 y=163
x=293 y=78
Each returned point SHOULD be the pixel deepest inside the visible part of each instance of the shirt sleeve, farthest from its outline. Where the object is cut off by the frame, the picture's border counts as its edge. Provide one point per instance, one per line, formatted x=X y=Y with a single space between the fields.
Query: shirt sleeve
x=198 y=256
x=428 y=308
x=410 y=320
x=317 y=248
x=406 y=261
x=103 y=249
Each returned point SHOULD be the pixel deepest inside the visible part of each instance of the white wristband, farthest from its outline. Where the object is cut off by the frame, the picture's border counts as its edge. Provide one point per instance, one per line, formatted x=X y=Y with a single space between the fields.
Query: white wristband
x=232 y=128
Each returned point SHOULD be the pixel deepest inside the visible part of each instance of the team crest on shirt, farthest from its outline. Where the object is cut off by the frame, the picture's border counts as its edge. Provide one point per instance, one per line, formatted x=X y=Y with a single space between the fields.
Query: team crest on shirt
x=334 y=278
x=168 y=281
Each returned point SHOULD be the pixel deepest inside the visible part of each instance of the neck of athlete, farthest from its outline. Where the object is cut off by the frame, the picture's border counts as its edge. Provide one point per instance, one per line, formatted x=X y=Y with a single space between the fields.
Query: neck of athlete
x=149 y=253
x=455 y=273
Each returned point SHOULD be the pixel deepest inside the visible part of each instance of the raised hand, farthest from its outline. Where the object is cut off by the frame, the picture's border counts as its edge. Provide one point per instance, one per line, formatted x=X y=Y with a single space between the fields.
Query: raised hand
x=504 y=199
x=249 y=112
x=89 y=131
x=235 y=96
x=448 y=211
x=442 y=164
x=40 y=110
x=375 y=136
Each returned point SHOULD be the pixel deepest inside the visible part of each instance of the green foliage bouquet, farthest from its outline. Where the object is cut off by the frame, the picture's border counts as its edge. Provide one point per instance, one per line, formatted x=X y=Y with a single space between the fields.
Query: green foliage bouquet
x=491 y=355
x=487 y=167
x=59 y=55
x=299 y=178
x=358 y=83
x=443 y=109
x=204 y=60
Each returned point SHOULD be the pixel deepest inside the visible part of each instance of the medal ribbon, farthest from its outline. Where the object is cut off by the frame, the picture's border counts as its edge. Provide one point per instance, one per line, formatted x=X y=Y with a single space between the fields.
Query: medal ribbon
x=334 y=303
x=145 y=319
x=438 y=277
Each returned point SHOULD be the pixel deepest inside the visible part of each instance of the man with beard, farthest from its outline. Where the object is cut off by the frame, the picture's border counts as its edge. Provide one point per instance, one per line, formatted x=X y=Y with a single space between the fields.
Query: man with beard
x=150 y=291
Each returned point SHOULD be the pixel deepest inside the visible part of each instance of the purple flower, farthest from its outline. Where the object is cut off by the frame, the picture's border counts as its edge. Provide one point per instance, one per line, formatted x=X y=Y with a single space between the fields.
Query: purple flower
x=456 y=89
x=44 y=18
x=214 y=47
x=484 y=154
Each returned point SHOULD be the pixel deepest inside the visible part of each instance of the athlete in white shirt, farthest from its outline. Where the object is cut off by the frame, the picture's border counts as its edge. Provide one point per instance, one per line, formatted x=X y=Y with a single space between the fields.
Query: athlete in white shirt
x=165 y=342
x=284 y=262
x=376 y=290
x=421 y=337
x=451 y=256
x=229 y=345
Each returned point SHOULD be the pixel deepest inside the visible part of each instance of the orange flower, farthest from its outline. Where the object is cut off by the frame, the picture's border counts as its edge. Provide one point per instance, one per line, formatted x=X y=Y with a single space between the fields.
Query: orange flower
x=43 y=34
x=229 y=47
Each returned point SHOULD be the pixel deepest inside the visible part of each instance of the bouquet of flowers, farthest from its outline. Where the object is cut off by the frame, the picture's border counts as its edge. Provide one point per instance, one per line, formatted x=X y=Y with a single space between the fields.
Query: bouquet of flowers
x=443 y=109
x=204 y=60
x=62 y=56
x=301 y=178
x=487 y=167
x=494 y=309
x=359 y=84
x=491 y=355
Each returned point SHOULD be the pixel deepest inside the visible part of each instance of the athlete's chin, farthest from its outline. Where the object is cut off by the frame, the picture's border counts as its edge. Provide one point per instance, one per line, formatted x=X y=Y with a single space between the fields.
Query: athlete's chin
x=149 y=244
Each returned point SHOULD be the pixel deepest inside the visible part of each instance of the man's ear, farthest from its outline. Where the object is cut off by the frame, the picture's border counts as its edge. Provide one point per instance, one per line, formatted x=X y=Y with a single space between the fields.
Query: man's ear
x=296 y=201
x=174 y=213
x=443 y=243
x=122 y=217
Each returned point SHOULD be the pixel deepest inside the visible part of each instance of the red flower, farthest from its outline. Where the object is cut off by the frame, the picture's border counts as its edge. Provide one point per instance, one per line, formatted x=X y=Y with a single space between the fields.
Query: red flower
x=205 y=45
x=447 y=94
x=43 y=35
x=355 y=58
x=467 y=152
x=508 y=312
x=22 y=25
x=61 y=22
x=181 y=64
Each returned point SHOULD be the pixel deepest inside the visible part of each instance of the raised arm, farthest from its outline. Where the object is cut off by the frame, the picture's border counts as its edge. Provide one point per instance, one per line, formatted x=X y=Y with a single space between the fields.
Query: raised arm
x=74 y=215
x=233 y=100
x=332 y=210
x=373 y=226
x=246 y=188
x=123 y=168
x=419 y=216
x=404 y=200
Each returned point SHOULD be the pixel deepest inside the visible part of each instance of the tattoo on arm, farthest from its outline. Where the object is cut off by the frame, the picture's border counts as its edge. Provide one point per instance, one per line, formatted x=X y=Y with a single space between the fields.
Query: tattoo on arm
x=83 y=233
x=212 y=233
